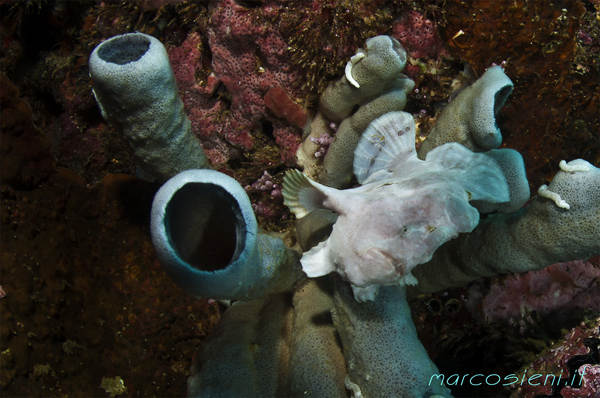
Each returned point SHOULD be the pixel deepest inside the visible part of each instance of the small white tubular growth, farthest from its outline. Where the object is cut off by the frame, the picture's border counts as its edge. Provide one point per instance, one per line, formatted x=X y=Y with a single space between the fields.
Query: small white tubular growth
x=355 y=58
x=355 y=388
x=573 y=166
x=544 y=192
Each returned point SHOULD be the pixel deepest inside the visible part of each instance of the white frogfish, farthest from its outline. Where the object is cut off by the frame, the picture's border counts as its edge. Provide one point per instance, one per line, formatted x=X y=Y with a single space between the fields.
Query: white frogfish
x=403 y=211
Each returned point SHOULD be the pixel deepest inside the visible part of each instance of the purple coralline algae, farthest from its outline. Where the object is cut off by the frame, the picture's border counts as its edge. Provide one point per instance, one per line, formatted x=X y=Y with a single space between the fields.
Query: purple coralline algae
x=248 y=59
x=569 y=368
x=562 y=288
x=419 y=35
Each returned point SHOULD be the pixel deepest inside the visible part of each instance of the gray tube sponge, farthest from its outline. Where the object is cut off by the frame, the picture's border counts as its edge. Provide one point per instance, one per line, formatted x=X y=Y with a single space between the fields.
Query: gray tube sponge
x=136 y=91
x=372 y=87
x=383 y=353
x=541 y=234
x=317 y=365
x=337 y=165
x=470 y=119
x=513 y=167
x=278 y=346
x=247 y=353
x=206 y=237
x=381 y=63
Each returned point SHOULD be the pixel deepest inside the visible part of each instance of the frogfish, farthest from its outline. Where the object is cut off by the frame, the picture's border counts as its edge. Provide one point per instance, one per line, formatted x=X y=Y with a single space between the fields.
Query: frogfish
x=403 y=210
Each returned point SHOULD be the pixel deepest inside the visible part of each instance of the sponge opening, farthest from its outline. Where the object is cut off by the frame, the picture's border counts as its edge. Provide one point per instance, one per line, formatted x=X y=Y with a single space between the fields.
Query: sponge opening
x=501 y=97
x=205 y=226
x=124 y=49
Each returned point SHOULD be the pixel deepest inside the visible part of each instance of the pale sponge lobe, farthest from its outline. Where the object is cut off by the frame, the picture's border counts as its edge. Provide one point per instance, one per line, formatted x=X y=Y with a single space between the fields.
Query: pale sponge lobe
x=136 y=91
x=470 y=119
x=374 y=335
x=380 y=88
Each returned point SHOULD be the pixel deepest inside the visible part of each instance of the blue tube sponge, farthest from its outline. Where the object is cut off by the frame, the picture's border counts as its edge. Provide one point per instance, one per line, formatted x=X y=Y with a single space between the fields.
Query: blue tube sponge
x=136 y=91
x=206 y=237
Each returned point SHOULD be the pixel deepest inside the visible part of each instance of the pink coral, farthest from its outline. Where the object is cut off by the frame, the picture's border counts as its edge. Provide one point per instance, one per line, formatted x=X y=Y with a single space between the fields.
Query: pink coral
x=270 y=196
x=590 y=385
x=555 y=368
x=249 y=57
x=560 y=288
x=264 y=183
x=418 y=35
x=205 y=110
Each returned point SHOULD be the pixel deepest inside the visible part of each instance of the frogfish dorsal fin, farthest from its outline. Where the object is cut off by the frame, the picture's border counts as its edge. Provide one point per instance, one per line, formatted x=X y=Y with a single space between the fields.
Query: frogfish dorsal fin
x=388 y=141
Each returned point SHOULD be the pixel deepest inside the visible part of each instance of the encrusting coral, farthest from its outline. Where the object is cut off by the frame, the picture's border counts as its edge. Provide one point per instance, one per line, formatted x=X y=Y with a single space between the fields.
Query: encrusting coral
x=206 y=236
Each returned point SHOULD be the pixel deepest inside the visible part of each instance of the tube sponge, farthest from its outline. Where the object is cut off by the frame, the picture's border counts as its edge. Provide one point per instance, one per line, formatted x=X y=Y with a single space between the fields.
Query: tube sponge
x=206 y=237
x=277 y=346
x=539 y=235
x=382 y=61
x=470 y=119
x=383 y=353
x=337 y=165
x=513 y=167
x=317 y=367
x=379 y=88
x=136 y=91
x=246 y=354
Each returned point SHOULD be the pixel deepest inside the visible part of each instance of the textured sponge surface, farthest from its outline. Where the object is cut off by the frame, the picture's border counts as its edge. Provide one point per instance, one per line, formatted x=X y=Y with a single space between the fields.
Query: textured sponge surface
x=136 y=91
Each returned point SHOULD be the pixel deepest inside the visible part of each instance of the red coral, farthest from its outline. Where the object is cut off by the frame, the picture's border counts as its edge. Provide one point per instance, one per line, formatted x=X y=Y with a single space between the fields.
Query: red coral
x=278 y=101
x=418 y=35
